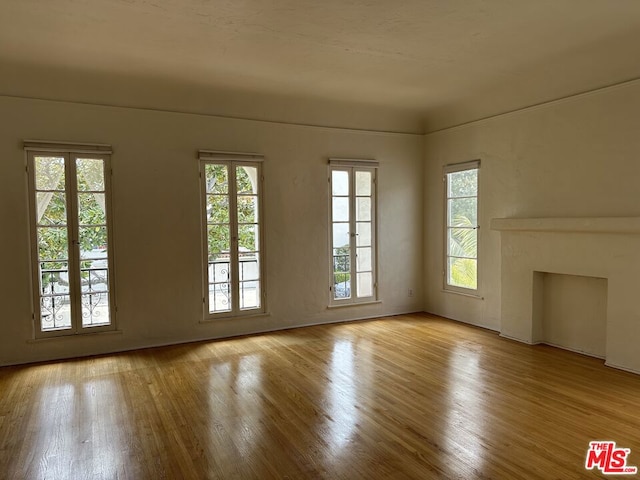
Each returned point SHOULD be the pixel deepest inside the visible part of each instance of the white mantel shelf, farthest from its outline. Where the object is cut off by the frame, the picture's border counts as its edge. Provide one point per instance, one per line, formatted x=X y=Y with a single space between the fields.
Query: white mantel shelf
x=605 y=225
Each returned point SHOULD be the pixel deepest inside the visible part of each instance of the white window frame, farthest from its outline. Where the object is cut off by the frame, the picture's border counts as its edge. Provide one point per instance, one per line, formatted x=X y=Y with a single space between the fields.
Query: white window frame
x=449 y=169
x=233 y=160
x=352 y=166
x=70 y=152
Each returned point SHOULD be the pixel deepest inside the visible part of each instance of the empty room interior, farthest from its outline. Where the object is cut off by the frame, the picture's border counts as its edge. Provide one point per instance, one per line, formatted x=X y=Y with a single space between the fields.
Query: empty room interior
x=303 y=239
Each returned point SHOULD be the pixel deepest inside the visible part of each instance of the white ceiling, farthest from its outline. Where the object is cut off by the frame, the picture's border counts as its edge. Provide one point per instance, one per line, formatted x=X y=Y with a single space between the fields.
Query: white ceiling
x=449 y=61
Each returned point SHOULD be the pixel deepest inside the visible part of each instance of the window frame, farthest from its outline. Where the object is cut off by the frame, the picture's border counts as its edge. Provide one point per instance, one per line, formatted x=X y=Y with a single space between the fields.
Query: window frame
x=71 y=152
x=447 y=170
x=352 y=166
x=232 y=160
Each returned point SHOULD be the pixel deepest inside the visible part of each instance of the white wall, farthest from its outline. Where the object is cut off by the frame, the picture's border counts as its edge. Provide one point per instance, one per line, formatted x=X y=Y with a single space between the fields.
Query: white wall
x=156 y=222
x=572 y=158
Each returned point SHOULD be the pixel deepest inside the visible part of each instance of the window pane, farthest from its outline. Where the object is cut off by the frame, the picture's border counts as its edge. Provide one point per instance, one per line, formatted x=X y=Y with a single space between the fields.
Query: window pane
x=49 y=173
x=341 y=260
x=365 y=284
x=246 y=180
x=217 y=209
x=51 y=208
x=363 y=209
x=55 y=313
x=216 y=178
x=363 y=184
x=249 y=295
x=219 y=270
x=463 y=184
x=90 y=174
x=340 y=210
x=463 y=273
x=363 y=234
x=248 y=238
x=341 y=286
x=54 y=278
x=219 y=297
x=339 y=183
x=463 y=242
x=363 y=259
x=463 y=212
x=249 y=266
x=94 y=276
x=91 y=209
x=95 y=309
x=247 y=209
x=93 y=241
x=341 y=235
x=52 y=243
x=219 y=241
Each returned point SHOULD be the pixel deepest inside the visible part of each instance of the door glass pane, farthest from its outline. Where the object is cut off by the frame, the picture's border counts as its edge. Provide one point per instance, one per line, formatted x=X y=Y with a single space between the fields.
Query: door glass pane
x=341 y=235
x=246 y=180
x=216 y=178
x=340 y=210
x=363 y=234
x=95 y=309
x=91 y=209
x=339 y=183
x=220 y=297
x=94 y=275
x=90 y=174
x=53 y=243
x=363 y=259
x=249 y=266
x=54 y=278
x=249 y=294
x=363 y=209
x=55 y=312
x=93 y=242
x=363 y=184
x=219 y=241
x=217 y=209
x=51 y=208
x=341 y=286
x=365 y=284
x=247 y=209
x=248 y=238
x=49 y=173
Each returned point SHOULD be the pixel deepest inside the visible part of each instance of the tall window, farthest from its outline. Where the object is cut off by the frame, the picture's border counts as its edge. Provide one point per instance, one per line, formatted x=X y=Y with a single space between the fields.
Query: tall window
x=71 y=239
x=232 y=219
x=353 y=231
x=461 y=258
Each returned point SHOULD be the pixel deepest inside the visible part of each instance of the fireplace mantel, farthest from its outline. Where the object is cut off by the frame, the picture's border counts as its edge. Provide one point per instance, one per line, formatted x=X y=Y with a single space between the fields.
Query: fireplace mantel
x=605 y=225
x=596 y=247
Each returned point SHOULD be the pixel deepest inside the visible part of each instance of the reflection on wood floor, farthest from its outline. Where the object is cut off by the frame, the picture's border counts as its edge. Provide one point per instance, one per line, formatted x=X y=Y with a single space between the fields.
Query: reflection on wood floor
x=413 y=396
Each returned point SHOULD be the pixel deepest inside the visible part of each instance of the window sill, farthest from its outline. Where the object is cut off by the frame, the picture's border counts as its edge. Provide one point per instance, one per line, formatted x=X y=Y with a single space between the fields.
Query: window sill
x=210 y=320
x=374 y=302
x=74 y=335
x=464 y=294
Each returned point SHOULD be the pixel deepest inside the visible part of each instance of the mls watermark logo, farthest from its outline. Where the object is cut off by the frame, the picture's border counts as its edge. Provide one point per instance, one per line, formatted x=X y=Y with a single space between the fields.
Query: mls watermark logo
x=610 y=460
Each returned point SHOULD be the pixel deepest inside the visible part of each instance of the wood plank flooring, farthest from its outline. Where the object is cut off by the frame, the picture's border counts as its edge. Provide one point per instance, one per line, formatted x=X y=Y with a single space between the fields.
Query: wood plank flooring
x=407 y=397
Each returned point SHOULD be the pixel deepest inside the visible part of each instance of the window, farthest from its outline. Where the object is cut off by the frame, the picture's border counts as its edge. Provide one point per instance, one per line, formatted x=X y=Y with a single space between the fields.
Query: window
x=232 y=221
x=461 y=258
x=71 y=238
x=353 y=231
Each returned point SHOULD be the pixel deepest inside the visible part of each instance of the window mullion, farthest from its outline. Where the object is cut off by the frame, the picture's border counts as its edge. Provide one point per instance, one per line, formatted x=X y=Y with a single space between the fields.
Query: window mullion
x=352 y=234
x=75 y=280
x=233 y=224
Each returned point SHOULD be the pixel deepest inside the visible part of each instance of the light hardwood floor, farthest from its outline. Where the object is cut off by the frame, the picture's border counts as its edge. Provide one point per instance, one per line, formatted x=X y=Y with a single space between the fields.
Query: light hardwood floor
x=413 y=396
